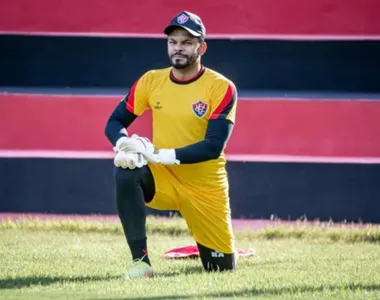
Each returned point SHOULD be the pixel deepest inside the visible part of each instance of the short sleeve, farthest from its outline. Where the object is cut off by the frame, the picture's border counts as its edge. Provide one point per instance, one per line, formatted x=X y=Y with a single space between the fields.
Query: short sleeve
x=224 y=102
x=138 y=96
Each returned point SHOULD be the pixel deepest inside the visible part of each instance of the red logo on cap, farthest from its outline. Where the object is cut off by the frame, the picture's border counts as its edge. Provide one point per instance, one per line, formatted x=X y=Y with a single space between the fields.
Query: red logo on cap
x=182 y=19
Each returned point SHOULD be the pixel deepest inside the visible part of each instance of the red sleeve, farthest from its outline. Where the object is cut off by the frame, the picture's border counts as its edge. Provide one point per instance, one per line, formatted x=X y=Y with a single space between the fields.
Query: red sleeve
x=130 y=99
x=138 y=96
x=226 y=105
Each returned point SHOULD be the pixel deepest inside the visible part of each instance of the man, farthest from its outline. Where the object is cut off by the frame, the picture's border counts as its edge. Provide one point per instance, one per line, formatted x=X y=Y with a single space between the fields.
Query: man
x=184 y=168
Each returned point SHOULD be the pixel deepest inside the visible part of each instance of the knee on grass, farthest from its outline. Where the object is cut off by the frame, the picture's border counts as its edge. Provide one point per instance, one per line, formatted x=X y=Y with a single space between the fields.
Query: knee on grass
x=215 y=261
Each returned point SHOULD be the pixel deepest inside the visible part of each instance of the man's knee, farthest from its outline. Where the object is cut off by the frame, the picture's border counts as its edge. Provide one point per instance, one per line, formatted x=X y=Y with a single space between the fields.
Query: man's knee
x=127 y=179
x=126 y=176
x=213 y=260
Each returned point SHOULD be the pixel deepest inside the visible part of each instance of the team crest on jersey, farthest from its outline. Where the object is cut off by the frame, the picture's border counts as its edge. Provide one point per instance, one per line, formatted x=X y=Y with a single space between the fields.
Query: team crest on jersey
x=200 y=108
x=182 y=19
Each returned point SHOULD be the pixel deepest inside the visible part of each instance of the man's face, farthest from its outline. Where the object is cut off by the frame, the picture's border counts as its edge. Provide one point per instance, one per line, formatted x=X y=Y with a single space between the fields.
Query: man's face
x=183 y=48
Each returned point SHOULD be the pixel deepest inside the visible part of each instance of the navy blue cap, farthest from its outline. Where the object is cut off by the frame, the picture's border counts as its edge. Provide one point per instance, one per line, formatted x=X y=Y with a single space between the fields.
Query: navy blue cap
x=188 y=21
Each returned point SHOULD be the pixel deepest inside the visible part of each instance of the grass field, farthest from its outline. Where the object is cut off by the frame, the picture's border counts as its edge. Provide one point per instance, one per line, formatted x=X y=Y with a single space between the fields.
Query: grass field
x=85 y=260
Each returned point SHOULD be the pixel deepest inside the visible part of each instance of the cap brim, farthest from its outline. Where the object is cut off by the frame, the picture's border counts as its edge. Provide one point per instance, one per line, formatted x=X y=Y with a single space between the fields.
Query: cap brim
x=170 y=28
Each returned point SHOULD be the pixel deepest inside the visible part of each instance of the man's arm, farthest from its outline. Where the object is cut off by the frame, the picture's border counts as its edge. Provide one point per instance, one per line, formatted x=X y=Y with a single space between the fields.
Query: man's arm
x=120 y=119
x=219 y=129
x=129 y=108
x=217 y=134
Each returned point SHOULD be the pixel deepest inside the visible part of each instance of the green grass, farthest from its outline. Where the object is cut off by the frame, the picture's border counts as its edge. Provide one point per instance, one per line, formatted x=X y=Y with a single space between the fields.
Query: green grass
x=84 y=260
x=329 y=231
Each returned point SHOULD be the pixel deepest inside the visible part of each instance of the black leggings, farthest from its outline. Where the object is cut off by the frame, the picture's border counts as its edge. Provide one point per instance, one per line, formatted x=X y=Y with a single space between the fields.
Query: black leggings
x=216 y=261
x=133 y=188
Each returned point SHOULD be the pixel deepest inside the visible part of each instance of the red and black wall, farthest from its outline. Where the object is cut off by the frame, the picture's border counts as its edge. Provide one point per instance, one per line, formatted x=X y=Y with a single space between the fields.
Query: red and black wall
x=306 y=140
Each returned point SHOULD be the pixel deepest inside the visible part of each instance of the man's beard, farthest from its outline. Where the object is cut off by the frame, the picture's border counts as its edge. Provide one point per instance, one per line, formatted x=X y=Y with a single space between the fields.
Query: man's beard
x=185 y=62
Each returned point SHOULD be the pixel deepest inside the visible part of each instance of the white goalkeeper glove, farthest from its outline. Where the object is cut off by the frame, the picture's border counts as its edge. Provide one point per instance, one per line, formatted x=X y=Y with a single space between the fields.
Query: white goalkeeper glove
x=121 y=144
x=136 y=144
x=129 y=160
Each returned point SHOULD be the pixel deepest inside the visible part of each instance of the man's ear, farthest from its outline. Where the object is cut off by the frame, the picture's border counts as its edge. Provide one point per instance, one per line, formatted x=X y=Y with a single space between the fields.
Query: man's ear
x=202 y=48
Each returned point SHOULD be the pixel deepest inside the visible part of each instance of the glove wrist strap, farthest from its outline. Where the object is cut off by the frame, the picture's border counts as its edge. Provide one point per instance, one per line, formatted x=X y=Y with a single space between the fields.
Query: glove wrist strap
x=168 y=156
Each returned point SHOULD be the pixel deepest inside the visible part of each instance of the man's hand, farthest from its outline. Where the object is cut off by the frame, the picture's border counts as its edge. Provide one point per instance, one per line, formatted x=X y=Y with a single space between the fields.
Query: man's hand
x=136 y=144
x=129 y=160
x=121 y=144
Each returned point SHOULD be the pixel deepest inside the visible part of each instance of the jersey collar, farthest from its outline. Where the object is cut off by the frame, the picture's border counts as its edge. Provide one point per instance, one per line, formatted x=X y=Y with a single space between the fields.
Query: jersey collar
x=196 y=77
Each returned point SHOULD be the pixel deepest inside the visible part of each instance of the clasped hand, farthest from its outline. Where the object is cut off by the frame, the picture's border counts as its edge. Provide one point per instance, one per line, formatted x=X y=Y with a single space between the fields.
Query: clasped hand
x=135 y=152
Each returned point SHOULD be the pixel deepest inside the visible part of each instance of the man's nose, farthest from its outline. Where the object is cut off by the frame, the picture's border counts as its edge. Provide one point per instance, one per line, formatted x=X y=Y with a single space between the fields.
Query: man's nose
x=178 y=48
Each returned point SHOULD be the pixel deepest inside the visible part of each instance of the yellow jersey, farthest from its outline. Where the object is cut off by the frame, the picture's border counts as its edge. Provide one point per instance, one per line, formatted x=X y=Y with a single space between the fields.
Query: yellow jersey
x=181 y=111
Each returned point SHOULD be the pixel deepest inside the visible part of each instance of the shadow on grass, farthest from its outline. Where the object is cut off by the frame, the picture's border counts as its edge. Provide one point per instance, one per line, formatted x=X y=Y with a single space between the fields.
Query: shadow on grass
x=189 y=270
x=260 y=292
x=22 y=282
